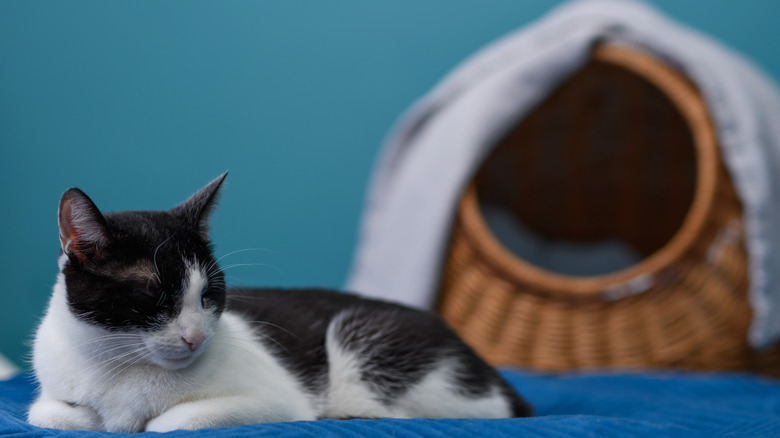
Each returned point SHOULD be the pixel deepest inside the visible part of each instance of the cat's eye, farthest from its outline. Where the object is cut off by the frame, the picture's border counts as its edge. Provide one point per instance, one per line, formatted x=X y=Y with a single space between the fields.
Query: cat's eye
x=210 y=297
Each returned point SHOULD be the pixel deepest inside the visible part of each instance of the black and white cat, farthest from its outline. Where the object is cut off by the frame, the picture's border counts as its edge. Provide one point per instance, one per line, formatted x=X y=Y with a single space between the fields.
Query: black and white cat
x=141 y=334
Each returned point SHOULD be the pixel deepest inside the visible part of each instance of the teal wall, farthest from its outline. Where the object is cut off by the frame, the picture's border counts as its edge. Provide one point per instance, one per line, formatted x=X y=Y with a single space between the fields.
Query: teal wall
x=140 y=103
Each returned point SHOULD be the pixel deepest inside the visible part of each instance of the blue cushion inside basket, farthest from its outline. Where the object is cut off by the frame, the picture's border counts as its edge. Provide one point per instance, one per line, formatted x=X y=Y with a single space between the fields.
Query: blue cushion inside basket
x=560 y=256
x=651 y=404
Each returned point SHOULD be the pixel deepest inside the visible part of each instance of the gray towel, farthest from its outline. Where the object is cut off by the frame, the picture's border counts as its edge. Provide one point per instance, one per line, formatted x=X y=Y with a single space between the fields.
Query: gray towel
x=438 y=144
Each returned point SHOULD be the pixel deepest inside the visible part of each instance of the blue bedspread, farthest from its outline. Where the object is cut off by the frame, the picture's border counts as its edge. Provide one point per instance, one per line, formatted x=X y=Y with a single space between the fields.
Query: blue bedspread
x=576 y=405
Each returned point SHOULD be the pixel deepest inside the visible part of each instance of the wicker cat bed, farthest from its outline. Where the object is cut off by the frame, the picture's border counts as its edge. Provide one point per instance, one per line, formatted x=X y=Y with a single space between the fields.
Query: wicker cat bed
x=623 y=150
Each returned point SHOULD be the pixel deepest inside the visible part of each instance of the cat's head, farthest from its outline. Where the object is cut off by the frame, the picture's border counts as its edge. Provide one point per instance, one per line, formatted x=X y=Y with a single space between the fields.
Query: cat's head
x=147 y=278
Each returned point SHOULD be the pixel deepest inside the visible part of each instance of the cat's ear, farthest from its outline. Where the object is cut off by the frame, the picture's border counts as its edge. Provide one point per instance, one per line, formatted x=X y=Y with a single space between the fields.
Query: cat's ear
x=83 y=229
x=196 y=210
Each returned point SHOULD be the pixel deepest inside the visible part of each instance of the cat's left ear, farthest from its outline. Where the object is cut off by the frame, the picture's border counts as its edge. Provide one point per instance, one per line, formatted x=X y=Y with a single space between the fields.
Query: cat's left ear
x=197 y=209
x=83 y=229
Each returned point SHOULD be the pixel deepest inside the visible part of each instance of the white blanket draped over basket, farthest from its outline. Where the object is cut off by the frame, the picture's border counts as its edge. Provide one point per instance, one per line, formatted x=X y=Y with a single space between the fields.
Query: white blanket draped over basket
x=438 y=144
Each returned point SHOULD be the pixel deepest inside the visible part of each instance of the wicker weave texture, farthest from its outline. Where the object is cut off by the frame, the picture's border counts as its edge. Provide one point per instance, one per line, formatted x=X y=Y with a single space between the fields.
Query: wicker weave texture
x=624 y=150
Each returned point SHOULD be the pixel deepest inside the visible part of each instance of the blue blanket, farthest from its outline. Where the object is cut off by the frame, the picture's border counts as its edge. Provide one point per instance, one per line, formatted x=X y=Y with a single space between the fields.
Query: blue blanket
x=576 y=405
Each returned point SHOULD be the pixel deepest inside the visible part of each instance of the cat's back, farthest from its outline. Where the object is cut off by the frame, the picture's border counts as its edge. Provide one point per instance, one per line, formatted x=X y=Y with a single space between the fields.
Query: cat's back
x=303 y=312
x=295 y=321
x=381 y=350
x=293 y=305
x=293 y=324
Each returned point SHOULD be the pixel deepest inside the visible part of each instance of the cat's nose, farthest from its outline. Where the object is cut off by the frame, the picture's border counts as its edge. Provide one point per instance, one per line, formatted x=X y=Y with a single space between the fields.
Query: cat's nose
x=194 y=341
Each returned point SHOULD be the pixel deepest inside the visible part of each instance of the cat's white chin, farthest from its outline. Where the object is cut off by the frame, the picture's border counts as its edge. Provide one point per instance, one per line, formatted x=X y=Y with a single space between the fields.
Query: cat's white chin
x=175 y=361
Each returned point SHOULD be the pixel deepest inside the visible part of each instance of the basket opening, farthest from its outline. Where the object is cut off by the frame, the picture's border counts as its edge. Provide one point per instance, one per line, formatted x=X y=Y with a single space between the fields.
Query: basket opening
x=597 y=178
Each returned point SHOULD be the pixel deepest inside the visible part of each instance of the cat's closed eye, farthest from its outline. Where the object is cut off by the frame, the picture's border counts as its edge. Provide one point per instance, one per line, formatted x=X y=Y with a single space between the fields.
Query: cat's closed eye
x=208 y=297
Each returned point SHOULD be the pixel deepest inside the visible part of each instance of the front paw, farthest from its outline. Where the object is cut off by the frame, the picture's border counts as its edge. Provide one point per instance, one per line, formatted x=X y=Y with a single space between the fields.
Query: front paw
x=57 y=414
x=166 y=423
x=179 y=419
x=210 y=413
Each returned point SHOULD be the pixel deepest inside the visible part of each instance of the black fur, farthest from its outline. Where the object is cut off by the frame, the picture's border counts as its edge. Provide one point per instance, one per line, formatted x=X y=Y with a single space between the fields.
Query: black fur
x=127 y=270
x=401 y=345
x=100 y=292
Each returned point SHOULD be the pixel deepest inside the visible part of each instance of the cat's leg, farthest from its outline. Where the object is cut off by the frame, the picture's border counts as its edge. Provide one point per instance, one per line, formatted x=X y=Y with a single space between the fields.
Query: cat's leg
x=50 y=412
x=353 y=389
x=407 y=364
x=222 y=412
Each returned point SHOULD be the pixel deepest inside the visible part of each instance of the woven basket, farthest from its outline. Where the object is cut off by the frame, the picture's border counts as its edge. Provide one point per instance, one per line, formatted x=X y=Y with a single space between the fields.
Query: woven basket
x=623 y=150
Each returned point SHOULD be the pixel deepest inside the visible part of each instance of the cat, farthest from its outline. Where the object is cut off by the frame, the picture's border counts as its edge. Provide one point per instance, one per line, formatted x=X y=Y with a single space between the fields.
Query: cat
x=141 y=334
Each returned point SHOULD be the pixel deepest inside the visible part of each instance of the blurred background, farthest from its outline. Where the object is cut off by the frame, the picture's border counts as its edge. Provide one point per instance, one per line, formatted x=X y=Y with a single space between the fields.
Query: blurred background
x=141 y=103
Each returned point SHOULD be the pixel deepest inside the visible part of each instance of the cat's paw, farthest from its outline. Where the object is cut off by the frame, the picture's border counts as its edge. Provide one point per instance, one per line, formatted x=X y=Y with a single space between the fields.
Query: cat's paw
x=57 y=414
x=167 y=423
x=188 y=416
x=183 y=419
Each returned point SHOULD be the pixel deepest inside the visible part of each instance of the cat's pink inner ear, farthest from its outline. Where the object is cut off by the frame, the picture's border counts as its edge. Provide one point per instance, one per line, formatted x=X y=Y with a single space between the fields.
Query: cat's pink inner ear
x=68 y=233
x=82 y=226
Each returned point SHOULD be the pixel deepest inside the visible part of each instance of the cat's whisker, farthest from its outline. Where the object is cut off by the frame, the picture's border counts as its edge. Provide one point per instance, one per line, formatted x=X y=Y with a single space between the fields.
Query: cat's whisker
x=114 y=335
x=119 y=347
x=117 y=370
x=232 y=278
x=154 y=258
x=123 y=358
x=162 y=292
x=272 y=339
x=214 y=274
x=237 y=345
x=106 y=375
x=267 y=336
x=240 y=251
x=97 y=347
x=277 y=326
x=107 y=338
x=138 y=358
x=161 y=299
x=214 y=269
x=112 y=357
x=241 y=298
x=264 y=265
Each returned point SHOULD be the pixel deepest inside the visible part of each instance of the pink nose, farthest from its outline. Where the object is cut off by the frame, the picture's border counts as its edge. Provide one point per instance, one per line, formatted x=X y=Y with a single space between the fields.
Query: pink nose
x=193 y=341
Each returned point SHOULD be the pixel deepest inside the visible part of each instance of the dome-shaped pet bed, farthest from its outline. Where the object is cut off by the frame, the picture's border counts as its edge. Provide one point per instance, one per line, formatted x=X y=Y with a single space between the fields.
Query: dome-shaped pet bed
x=622 y=151
x=597 y=190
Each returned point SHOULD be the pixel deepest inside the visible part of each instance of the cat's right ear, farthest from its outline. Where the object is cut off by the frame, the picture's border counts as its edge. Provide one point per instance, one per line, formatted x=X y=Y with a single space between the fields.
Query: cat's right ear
x=196 y=210
x=83 y=229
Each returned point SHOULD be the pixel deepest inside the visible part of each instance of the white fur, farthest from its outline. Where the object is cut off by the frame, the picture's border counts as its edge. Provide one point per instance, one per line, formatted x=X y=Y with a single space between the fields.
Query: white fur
x=95 y=380
x=435 y=396
x=191 y=325
x=233 y=381
x=347 y=395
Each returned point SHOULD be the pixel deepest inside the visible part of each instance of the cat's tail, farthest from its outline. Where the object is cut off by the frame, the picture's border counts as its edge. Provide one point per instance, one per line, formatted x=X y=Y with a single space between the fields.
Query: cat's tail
x=519 y=407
